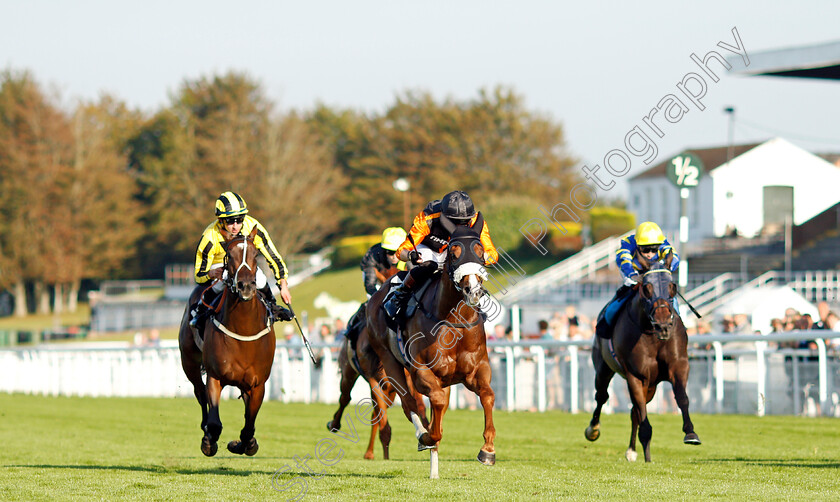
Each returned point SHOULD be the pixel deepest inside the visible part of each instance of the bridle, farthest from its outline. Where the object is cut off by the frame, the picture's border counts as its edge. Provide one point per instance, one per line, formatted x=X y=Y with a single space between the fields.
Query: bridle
x=651 y=307
x=468 y=263
x=231 y=282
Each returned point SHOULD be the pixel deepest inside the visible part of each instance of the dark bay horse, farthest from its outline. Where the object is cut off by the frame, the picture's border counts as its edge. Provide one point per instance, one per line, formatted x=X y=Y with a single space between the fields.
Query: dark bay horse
x=238 y=348
x=381 y=392
x=445 y=343
x=648 y=346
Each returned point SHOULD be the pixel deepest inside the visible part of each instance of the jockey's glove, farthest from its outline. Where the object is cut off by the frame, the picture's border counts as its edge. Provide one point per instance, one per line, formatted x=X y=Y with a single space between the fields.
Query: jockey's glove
x=632 y=280
x=414 y=257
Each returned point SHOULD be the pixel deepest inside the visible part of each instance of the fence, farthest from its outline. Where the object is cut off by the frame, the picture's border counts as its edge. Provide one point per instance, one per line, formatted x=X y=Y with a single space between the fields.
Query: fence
x=726 y=377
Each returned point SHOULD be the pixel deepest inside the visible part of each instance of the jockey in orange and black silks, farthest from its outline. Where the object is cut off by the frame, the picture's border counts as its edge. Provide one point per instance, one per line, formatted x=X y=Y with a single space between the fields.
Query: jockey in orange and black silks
x=428 y=240
x=232 y=219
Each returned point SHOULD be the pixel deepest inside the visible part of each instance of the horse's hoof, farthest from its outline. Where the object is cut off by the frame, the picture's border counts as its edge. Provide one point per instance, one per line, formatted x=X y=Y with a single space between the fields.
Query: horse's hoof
x=368 y=455
x=331 y=428
x=593 y=433
x=423 y=442
x=208 y=448
x=486 y=458
x=691 y=438
x=240 y=448
x=236 y=446
x=252 y=448
x=631 y=455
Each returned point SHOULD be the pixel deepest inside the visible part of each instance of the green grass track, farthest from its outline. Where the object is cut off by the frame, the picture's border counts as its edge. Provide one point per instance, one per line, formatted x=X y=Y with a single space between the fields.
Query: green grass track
x=148 y=449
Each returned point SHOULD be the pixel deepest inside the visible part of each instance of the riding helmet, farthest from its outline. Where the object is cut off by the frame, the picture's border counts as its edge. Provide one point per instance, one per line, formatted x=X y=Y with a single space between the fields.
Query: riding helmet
x=457 y=205
x=230 y=204
x=648 y=233
x=392 y=238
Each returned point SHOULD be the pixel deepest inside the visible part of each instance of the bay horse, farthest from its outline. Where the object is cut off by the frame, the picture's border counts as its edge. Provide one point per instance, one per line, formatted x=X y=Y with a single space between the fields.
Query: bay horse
x=447 y=344
x=238 y=348
x=364 y=362
x=648 y=346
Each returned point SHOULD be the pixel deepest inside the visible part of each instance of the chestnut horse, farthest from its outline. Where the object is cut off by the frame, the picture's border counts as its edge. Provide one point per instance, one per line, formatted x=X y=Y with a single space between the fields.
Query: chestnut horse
x=381 y=392
x=648 y=346
x=238 y=348
x=447 y=344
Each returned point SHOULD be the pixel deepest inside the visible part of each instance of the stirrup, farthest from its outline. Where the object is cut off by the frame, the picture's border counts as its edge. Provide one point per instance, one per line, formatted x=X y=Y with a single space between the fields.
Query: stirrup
x=393 y=307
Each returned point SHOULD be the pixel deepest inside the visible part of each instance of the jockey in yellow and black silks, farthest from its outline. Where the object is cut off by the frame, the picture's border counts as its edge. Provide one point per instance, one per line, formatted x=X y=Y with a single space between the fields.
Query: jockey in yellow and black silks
x=427 y=243
x=379 y=263
x=648 y=242
x=232 y=219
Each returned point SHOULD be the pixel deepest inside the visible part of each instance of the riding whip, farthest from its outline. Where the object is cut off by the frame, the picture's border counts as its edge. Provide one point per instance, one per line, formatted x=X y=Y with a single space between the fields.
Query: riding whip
x=305 y=341
x=689 y=305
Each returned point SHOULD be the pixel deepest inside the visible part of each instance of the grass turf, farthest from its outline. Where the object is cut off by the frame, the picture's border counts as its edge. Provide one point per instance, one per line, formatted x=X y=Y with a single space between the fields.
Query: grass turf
x=59 y=448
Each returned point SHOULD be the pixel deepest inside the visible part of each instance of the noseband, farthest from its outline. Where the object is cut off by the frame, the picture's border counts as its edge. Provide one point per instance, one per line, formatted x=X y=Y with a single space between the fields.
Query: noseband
x=663 y=331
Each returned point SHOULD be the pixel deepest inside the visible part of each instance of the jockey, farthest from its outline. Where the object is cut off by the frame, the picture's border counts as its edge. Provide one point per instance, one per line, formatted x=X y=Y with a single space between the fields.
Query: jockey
x=378 y=265
x=427 y=243
x=648 y=242
x=232 y=220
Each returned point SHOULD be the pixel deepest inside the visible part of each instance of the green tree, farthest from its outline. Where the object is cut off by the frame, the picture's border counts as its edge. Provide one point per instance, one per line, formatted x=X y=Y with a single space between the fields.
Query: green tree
x=221 y=134
x=35 y=153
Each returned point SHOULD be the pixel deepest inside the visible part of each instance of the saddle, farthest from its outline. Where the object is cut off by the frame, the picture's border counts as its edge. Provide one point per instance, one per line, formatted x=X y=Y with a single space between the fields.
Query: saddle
x=396 y=325
x=214 y=307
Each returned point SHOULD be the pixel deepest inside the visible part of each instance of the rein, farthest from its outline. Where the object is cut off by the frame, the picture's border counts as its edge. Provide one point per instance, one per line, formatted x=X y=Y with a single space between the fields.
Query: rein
x=431 y=316
x=231 y=282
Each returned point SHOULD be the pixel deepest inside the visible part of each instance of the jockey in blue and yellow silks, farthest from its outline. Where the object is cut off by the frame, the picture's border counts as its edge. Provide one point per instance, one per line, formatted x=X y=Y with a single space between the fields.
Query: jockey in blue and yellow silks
x=648 y=242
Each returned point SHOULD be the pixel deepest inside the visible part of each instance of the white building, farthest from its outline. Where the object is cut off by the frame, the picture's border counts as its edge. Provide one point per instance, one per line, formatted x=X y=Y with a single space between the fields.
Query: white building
x=762 y=185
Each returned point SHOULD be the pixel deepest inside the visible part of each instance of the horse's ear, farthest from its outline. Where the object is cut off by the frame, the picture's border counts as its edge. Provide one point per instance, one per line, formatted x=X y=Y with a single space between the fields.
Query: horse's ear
x=253 y=233
x=643 y=262
x=478 y=226
x=447 y=224
x=668 y=259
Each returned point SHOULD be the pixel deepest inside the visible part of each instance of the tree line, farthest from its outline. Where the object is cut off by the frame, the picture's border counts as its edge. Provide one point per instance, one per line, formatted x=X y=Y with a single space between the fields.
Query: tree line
x=97 y=190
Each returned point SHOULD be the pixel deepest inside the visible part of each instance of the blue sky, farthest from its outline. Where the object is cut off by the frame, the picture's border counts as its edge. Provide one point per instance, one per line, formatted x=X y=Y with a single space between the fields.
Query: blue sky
x=597 y=67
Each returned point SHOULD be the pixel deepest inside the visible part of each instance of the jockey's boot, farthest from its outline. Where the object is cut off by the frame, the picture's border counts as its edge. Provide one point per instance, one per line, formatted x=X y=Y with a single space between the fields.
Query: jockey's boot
x=395 y=305
x=205 y=302
x=603 y=329
x=276 y=312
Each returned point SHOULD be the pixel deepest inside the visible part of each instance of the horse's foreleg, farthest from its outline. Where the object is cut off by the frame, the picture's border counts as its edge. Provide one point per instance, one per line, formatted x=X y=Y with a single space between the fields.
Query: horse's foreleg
x=603 y=376
x=247 y=443
x=638 y=394
x=348 y=379
x=678 y=381
x=213 y=428
x=395 y=376
x=487 y=454
x=439 y=399
x=382 y=399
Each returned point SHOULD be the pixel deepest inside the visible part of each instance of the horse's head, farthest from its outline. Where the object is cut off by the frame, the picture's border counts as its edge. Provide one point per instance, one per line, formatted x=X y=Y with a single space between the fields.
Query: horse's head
x=465 y=259
x=241 y=265
x=657 y=290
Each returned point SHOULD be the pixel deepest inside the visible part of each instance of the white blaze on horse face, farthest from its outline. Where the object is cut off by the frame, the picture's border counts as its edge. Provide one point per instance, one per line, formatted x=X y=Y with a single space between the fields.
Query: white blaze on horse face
x=244 y=246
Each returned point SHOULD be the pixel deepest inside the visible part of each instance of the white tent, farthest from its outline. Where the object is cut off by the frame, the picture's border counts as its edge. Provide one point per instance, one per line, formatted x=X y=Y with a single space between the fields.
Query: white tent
x=764 y=304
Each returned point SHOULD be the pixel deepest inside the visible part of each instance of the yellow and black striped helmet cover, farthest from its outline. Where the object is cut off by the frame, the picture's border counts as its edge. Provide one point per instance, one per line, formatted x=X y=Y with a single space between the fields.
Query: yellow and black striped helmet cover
x=230 y=204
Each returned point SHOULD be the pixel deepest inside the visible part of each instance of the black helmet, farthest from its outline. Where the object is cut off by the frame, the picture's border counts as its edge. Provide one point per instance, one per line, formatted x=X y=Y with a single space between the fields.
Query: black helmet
x=457 y=205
